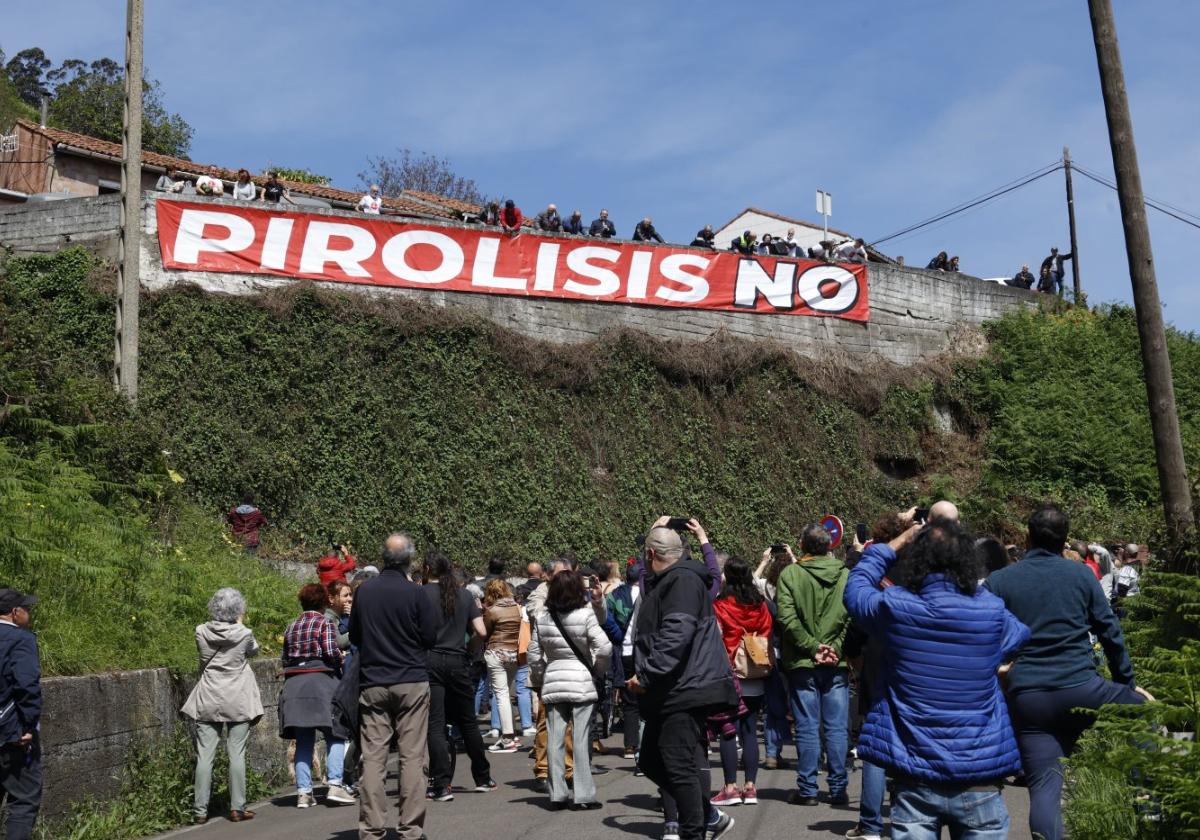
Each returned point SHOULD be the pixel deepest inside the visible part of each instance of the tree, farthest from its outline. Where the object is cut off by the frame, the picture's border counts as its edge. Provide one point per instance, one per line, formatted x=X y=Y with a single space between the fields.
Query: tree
x=27 y=72
x=419 y=171
x=90 y=99
x=301 y=176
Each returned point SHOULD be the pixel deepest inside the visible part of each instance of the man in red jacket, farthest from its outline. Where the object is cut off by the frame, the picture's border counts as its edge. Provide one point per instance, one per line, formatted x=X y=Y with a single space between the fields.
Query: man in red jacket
x=334 y=566
x=245 y=521
x=511 y=218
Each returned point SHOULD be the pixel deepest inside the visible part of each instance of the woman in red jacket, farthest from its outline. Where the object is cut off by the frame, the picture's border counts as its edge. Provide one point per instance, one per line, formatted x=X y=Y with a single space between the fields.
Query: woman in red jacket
x=742 y=612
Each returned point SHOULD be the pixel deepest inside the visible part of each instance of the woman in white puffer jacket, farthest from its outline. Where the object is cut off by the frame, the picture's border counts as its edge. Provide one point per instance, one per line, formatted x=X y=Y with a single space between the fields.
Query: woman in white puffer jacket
x=566 y=649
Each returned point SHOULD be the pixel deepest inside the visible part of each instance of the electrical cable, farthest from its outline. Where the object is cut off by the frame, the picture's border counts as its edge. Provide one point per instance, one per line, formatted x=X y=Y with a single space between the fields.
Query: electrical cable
x=1149 y=202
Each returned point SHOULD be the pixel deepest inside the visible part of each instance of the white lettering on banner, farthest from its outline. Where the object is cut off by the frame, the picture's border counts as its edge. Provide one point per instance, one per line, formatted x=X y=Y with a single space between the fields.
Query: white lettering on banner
x=190 y=241
x=673 y=269
x=484 y=271
x=639 y=275
x=608 y=283
x=753 y=281
x=275 y=243
x=395 y=249
x=547 y=265
x=814 y=284
x=317 y=252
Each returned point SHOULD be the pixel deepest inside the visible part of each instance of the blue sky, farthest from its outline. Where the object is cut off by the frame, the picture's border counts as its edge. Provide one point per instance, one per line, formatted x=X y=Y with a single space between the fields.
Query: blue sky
x=690 y=112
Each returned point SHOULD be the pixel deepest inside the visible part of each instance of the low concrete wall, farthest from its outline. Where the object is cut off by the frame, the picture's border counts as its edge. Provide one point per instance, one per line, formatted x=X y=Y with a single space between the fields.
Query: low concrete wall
x=915 y=314
x=90 y=724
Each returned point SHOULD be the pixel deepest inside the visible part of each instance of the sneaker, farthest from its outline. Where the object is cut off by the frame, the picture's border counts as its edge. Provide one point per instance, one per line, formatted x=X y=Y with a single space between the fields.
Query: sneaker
x=492 y=733
x=441 y=794
x=339 y=796
x=772 y=763
x=505 y=745
x=839 y=800
x=857 y=833
x=719 y=827
x=305 y=800
x=529 y=731
x=637 y=771
x=798 y=798
x=727 y=797
x=670 y=831
x=485 y=787
x=543 y=786
x=630 y=752
x=750 y=794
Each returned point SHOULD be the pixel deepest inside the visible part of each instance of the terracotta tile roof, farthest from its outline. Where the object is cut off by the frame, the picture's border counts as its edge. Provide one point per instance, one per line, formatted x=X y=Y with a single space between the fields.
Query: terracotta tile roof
x=455 y=204
x=432 y=206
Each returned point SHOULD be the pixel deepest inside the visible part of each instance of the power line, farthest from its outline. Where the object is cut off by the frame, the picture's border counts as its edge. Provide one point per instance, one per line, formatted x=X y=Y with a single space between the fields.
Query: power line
x=1149 y=202
x=1109 y=183
x=1016 y=184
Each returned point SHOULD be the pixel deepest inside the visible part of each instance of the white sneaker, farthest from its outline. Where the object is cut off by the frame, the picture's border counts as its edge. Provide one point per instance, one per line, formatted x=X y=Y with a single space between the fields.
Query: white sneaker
x=530 y=732
x=492 y=733
x=305 y=800
x=339 y=795
x=505 y=745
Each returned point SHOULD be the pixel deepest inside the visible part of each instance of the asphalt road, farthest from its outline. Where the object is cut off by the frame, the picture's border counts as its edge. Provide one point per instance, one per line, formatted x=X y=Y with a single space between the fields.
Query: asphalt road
x=517 y=810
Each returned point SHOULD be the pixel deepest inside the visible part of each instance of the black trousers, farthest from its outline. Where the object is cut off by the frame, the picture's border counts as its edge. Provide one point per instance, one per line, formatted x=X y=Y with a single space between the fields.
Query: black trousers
x=452 y=700
x=674 y=758
x=21 y=780
x=631 y=717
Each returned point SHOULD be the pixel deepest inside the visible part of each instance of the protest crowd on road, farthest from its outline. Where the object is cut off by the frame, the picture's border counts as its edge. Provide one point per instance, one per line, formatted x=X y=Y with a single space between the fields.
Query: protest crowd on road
x=940 y=665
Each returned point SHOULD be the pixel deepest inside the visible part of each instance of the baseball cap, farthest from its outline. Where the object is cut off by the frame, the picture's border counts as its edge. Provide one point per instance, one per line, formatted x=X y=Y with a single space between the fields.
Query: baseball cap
x=12 y=598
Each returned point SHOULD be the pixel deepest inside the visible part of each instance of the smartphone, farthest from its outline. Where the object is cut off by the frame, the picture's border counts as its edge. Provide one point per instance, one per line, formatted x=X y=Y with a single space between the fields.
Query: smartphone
x=678 y=523
x=922 y=515
x=860 y=530
x=778 y=548
x=589 y=581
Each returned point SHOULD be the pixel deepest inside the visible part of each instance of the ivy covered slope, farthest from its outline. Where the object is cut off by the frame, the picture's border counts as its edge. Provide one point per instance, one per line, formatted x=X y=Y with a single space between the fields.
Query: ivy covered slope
x=89 y=519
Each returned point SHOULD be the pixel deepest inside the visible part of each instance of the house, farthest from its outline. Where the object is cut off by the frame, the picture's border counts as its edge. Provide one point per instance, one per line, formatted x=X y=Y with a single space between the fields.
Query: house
x=40 y=162
x=760 y=222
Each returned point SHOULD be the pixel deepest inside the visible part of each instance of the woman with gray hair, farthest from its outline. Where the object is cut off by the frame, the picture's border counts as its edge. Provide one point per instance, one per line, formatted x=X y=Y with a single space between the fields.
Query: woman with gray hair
x=225 y=698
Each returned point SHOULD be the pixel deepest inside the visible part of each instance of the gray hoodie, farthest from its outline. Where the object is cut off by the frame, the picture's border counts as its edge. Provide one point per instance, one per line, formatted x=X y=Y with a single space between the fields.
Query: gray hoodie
x=226 y=690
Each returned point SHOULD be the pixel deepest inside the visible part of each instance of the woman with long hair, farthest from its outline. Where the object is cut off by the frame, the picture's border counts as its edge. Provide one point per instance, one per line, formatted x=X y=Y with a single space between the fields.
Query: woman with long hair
x=567 y=649
x=743 y=616
x=451 y=693
x=502 y=620
x=777 y=730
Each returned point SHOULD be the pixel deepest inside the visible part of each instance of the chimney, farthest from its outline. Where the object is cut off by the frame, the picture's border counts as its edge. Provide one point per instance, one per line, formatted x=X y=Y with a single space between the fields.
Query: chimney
x=45 y=110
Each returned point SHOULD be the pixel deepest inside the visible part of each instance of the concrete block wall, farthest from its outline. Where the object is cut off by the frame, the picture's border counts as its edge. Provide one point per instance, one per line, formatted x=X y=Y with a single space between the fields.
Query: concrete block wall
x=90 y=725
x=48 y=226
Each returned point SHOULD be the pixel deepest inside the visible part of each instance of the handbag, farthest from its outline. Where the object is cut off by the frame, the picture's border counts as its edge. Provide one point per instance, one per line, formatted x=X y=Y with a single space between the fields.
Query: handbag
x=523 y=643
x=753 y=658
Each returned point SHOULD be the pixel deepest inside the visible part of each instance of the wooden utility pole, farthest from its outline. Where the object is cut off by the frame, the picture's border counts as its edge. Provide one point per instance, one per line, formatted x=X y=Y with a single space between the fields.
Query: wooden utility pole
x=129 y=253
x=1071 y=220
x=1164 y=419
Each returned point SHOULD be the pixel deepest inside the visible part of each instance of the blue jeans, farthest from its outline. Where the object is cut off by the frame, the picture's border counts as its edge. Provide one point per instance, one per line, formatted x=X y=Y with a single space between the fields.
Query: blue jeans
x=524 y=698
x=820 y=700
x=775 y=721
x=870 y=801
x=920 y=811
x=335 y=750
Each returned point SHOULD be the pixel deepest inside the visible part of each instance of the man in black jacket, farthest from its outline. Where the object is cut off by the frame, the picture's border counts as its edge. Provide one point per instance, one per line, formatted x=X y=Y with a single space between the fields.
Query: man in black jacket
x=681 y=675
x=393 y=625
x=644 y=232
x=20 y=712
x=603 y=227
x=1023 y=279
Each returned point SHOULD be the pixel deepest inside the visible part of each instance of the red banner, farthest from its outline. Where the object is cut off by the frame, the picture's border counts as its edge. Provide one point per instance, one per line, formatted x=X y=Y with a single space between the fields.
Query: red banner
x=417 y=255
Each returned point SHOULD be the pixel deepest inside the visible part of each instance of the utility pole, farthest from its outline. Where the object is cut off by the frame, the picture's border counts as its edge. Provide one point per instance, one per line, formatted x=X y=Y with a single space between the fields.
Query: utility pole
x=1071 y=220
x=129 y=254
x=1164 y=419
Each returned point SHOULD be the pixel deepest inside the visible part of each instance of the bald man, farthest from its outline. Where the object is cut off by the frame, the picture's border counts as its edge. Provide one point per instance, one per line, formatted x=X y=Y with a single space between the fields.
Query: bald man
x=943 y=510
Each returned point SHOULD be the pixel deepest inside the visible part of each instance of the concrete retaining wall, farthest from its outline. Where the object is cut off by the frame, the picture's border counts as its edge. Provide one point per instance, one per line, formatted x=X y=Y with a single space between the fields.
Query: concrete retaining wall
x=915 y=314
x=90 y=724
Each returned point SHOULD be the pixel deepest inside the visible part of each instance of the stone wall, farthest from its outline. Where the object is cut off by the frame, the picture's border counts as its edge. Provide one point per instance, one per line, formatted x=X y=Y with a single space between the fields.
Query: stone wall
x=90 y=724
x=915 y=314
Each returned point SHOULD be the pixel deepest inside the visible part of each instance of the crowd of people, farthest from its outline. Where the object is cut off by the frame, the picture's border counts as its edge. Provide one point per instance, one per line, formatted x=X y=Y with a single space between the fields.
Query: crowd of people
x=1050 y=276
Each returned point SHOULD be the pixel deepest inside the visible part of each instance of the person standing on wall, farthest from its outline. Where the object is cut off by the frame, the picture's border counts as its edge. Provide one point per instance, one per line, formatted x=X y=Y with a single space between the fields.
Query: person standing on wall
x=20 y=713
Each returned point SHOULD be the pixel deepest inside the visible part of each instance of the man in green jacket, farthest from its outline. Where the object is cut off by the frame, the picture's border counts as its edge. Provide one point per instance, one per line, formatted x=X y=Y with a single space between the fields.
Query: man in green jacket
x=814 y=619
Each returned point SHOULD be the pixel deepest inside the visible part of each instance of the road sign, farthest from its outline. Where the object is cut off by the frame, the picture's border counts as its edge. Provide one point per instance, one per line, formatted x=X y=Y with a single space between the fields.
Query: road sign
x=835 y=528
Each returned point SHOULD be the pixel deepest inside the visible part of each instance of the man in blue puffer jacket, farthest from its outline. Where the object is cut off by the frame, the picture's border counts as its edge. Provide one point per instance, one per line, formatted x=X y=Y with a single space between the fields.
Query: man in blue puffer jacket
x=940 y=726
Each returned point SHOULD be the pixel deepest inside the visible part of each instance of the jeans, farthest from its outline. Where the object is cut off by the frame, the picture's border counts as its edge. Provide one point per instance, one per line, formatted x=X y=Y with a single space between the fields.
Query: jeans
x=1047 y=728
x=557 y=717
x=870 y=801
x=335 y=751
x=208 y=736
x=747 y=736
x=775 y=724
x=450 y=701
x=820 y=700
x=21 y=787
x=524 y=697
x=672 y=757
x=969 y=813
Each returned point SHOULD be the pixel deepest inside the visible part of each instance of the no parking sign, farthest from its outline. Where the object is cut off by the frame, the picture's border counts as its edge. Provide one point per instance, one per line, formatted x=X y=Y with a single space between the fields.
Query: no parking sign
x=835 y=528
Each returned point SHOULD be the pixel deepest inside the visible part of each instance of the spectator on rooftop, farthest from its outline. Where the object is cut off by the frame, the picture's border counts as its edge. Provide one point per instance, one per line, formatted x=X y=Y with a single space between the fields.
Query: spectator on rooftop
x=211 y=184
x=780 y=247
x=953 y=266
x=372 y=202
x=764 y=245
x=490 y=214
x=511 y=218
x=168 y=181
x=824 y=251
x=1054 y=262
x=574 y=224
x=274 y=191
x=793 y=247
x=549 y=220
x=644 y=231
x=704 y=238
x=851 y=251
x=244 y=189
x=744 y=244
x=1046 y=279
x=939 y=263
x=603 y=227
x=1023 y=279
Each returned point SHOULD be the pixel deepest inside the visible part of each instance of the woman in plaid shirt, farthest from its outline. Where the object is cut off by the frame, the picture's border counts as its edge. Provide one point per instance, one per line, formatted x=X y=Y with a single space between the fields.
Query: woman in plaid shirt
x=312 y=665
